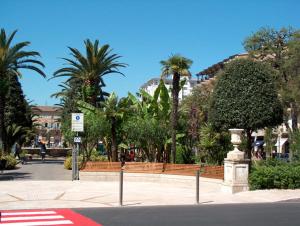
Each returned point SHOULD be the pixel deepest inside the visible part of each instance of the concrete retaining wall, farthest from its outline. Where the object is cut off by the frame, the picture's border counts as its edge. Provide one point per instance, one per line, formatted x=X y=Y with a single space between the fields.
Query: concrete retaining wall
x=142 y=177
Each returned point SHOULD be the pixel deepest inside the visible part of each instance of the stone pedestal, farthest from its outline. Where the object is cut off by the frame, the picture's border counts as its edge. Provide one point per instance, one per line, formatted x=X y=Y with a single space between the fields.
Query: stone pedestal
x=236 y=167
x=235 y=176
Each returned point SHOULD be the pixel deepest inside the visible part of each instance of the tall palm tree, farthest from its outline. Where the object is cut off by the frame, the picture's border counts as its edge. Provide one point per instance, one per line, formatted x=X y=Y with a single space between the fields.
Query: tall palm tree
x=12 y=59
x=177 y=66
x=91 y=68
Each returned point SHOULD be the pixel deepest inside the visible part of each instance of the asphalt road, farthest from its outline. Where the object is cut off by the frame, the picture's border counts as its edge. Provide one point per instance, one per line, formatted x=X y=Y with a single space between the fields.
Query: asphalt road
x=271 y=214
x=50 y=169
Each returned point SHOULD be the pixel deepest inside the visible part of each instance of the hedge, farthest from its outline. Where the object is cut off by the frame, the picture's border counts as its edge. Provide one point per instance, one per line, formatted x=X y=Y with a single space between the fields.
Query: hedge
x=275 y=176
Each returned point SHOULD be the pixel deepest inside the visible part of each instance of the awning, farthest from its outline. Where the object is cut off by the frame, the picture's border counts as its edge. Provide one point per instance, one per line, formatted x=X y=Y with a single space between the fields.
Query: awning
x=258 y=143
x=281 y=141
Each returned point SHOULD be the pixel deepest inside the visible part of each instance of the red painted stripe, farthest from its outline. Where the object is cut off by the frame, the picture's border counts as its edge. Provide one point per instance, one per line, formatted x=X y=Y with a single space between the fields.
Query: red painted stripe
x=77 y=219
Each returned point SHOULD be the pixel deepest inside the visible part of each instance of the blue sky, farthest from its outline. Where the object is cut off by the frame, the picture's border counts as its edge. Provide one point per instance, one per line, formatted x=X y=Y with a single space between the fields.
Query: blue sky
x=142 y=32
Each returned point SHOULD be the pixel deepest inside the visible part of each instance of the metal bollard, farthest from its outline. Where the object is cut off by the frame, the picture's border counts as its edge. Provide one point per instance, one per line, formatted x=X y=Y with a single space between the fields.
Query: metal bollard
x=121 y=188
x=197 y=186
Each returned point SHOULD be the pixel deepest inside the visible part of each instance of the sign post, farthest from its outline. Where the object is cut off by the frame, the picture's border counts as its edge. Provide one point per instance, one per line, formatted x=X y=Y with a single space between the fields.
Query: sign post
x=77 y=126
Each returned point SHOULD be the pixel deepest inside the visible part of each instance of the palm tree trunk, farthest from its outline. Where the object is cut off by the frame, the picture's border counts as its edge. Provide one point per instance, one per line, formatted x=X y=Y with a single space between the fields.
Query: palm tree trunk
x=114 y=140
x=175 y=92
x=2 y=126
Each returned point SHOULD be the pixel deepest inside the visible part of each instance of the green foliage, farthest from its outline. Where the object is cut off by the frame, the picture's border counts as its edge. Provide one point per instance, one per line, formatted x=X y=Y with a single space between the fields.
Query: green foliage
x=270 y=162
x=200 y=100
x=12 y=59
x=184 y=155
x=295 y=145
x=270 y=140
x=147 y=133
x=68 y=162
x=275 y=174
x=95 y=156
x=90 y=69
x=11 y=162
x=280 y=49
x=99 y=158
x=176 y=64
x=17 y=110
x=214 y=145
x=178 y=67
x=245 y=97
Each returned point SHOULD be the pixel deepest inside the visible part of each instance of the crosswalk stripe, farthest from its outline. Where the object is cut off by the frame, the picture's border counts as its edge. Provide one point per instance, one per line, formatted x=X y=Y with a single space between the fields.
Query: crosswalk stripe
x=28 y=213
x=32 y=218
x=38 y=223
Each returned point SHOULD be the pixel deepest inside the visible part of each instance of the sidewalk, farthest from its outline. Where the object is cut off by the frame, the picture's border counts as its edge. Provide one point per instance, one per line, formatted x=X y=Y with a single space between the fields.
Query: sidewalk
x=75 y=194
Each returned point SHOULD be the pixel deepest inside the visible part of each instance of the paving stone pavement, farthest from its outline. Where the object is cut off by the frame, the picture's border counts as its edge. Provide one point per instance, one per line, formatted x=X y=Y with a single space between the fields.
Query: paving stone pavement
x=48 y=185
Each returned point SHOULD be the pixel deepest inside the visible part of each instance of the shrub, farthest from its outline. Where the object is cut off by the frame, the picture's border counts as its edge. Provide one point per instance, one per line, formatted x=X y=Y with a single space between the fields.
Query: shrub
x=275 y=174
x=270 y=162
x=184 y=155
x=11 y=162
x=68 y=162
x=99 y=158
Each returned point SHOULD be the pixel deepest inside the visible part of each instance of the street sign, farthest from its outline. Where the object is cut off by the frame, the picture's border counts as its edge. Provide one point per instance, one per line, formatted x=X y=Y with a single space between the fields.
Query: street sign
x=77 y=122
x=77 y=139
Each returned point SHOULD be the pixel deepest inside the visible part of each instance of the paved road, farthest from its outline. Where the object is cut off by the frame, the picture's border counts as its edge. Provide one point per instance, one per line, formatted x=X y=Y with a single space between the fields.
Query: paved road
x=50 y=169
x=272 y=214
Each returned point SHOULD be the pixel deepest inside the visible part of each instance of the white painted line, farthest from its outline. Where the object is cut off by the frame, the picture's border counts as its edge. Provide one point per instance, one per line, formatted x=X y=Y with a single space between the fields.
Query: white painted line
x=28 y=213
x=38 y=223
x=32 y=218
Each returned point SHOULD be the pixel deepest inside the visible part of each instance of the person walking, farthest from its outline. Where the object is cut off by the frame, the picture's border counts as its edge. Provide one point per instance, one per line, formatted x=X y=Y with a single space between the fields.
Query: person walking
x=16 y=149
x=43 y=150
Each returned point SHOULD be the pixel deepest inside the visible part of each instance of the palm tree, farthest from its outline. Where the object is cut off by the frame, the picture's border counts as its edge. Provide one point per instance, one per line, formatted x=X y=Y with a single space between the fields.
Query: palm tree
x=13 y=58
x=177 y=66
x=90 y=69
x=114 y=110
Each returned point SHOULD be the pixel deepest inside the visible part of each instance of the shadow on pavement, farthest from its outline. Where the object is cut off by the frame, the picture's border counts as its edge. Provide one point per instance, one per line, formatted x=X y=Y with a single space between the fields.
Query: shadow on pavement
x=14 y=175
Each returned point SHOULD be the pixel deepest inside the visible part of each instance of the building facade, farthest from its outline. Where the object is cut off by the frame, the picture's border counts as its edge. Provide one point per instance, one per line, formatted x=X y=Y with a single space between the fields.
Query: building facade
x=151 y=85
x=47 y=123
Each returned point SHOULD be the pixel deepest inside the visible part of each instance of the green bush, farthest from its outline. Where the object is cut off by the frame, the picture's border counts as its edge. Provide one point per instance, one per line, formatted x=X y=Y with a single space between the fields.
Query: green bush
x=68 y=162
x=99 y=158
x=270 y=162
x=184 y=155
x=11 y=162
x=275 y=174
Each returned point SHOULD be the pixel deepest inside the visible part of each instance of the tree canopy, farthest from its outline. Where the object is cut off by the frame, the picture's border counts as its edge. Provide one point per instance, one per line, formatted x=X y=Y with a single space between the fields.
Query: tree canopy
x=90 y=68
x=245 y=97
x=12 y=59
